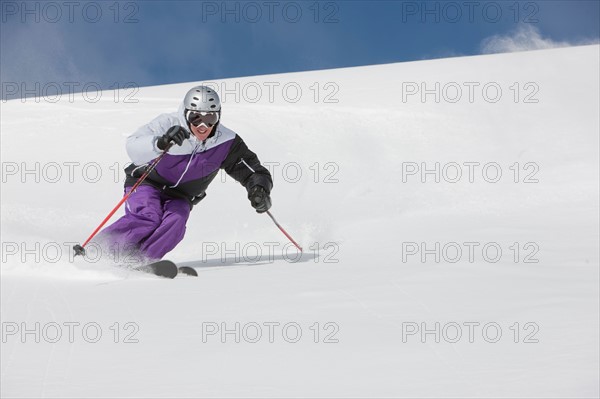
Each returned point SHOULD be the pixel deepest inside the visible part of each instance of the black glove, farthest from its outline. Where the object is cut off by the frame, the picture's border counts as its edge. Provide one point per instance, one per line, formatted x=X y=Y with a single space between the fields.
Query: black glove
x=176 y=134
x=259 y=199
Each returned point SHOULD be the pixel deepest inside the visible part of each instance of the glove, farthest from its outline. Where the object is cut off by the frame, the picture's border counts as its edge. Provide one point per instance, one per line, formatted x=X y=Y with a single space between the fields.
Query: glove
x=259 y=199
x=176 y=134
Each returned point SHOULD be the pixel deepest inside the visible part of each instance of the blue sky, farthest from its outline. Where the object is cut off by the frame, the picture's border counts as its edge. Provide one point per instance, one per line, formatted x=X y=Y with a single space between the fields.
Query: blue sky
x=160 y=42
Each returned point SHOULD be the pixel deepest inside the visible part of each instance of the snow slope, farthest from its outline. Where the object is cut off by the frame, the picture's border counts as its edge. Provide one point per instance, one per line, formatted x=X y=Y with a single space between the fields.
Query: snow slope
x=364 y=277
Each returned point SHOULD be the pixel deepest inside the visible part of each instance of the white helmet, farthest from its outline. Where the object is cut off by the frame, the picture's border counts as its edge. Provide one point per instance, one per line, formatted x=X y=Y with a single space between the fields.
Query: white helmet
x=202 y=98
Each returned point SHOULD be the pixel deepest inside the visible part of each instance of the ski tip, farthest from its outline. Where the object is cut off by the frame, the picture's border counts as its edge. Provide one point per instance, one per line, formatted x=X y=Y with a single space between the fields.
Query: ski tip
x=190 y=271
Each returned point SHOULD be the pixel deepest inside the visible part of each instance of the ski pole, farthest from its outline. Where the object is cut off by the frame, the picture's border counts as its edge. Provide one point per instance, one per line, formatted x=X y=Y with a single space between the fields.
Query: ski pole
x=80 y=249
x=284 y=232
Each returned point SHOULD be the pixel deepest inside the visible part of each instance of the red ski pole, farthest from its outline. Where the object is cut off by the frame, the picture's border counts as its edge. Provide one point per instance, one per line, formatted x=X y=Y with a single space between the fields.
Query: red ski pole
x=80 y=249
x=284 y=232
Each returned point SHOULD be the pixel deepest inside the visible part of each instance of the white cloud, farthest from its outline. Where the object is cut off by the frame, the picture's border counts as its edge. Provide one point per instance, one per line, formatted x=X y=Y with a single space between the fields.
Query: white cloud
x=525 y=38
x=41 y=58
x=37 y=54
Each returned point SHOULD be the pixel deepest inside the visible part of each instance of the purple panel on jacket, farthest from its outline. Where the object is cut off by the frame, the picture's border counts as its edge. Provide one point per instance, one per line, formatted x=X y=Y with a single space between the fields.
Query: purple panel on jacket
x=203 y=163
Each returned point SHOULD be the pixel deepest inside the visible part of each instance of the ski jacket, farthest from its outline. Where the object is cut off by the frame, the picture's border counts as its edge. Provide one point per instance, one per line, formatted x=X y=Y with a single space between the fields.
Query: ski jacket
x=187 y=170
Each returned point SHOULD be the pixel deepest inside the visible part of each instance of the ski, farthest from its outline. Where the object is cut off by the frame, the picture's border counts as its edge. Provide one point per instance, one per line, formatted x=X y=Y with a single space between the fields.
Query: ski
x=168 y=269
x=190 y=271
x=162 y=268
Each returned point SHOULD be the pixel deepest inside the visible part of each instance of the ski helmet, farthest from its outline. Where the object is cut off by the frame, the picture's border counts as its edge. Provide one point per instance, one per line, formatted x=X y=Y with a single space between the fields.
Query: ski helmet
x=202 y=98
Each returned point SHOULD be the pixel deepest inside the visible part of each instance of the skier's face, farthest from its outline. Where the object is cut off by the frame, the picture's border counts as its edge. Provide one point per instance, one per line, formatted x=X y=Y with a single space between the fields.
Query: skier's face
x=202 y=122
x=201 y=132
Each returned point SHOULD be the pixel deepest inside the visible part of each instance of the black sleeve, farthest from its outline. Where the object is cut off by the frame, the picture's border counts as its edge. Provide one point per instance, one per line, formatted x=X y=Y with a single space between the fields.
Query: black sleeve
x=243 y=165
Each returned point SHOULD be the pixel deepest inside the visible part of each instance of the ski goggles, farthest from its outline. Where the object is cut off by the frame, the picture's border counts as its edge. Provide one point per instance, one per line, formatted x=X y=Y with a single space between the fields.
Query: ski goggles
x=198 y=117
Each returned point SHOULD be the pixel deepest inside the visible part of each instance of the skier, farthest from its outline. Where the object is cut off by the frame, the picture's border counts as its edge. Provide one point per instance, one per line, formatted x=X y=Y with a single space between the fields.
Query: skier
x=156 y=213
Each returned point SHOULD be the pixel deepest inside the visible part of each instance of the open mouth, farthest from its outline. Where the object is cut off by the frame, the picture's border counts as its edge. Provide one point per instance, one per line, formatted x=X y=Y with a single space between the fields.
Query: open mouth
x=201 y=129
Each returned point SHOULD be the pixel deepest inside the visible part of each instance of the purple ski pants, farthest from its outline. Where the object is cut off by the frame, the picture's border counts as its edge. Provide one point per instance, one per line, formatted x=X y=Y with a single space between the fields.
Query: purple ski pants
x=153 y=223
